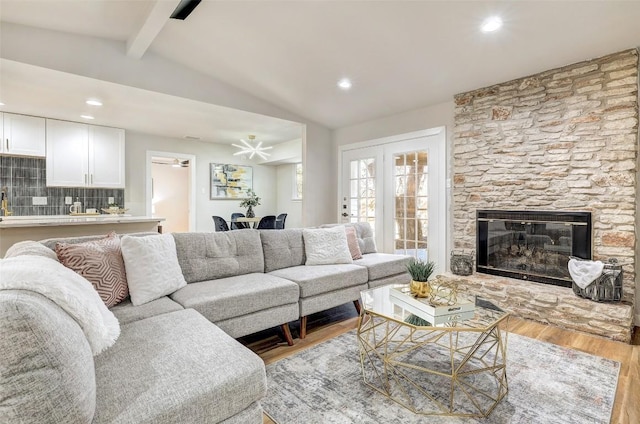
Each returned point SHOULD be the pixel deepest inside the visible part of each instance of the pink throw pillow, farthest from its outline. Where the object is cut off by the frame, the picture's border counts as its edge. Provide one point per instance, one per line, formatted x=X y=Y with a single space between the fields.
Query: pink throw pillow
x=352 y=242
x=100 y=262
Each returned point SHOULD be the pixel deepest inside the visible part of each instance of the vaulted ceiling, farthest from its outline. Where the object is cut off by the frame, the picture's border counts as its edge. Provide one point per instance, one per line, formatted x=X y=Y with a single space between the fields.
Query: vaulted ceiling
x=400 y=55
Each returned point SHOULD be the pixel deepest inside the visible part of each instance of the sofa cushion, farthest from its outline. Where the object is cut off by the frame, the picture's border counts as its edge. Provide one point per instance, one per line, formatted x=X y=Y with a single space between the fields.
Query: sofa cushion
x=282 y=249
x=381 y=265
x=207 y=256
x=126 y=312
x=320 y=279
x=46 y=365
x=152 y=267
x=100 y=262
x=178 y=368
x=231 y=297
x=366 y=239
x=326 y=246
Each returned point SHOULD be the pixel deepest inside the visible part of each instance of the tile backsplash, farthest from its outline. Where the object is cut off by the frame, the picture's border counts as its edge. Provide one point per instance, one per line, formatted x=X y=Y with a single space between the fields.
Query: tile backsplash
x=26 y=178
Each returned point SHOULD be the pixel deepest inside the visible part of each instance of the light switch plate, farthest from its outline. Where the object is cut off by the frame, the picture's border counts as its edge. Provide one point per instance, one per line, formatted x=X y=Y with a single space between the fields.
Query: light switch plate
x=39 y=201
x=111 y=200
x=67 y=200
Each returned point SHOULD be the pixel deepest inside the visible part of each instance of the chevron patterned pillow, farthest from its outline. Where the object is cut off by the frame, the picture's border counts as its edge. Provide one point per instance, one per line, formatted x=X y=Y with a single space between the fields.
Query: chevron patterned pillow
x=100 y=262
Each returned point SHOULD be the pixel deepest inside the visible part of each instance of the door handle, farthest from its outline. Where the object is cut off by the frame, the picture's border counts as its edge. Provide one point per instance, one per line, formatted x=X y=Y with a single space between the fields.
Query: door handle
x=344 y=214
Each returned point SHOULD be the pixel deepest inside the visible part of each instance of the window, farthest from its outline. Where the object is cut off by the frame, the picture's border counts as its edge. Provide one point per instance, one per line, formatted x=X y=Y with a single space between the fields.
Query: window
x=297 y=179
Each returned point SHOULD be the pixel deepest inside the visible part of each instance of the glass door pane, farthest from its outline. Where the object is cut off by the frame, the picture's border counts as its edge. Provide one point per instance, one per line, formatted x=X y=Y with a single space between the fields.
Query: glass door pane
x=362 y=190
x=411 y=203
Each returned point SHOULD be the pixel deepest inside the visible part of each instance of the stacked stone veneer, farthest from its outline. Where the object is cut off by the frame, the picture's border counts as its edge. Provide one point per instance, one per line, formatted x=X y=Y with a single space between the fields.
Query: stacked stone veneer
x=564 y=139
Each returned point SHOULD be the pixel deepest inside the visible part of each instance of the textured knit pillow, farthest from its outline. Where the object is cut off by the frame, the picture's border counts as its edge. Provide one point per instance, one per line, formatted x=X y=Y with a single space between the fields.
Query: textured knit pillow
x=152 y=267
x=326 y=246
x=100 y=262
x=352 y=242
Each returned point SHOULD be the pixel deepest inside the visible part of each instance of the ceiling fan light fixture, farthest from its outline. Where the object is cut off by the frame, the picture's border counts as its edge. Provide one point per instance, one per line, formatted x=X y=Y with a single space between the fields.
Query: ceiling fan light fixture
x=251 y=150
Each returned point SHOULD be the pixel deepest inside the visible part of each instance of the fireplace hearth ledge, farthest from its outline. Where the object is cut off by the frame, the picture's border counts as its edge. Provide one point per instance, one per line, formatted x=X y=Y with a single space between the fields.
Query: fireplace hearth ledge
x=550 y=304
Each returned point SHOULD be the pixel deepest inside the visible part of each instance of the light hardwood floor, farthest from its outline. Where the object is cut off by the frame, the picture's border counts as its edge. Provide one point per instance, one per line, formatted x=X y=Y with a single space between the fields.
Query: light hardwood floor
x=321 y=327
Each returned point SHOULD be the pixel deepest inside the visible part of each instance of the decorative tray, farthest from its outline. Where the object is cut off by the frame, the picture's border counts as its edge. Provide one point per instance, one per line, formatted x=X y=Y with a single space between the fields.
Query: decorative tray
x=114 y=211
x=84 y=214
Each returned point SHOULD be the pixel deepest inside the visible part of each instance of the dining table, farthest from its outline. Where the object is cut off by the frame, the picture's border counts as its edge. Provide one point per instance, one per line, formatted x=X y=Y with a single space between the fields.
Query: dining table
x=255 y=220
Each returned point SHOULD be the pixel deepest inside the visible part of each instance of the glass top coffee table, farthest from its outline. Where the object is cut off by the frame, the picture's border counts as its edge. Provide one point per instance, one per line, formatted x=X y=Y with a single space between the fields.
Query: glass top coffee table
x=452 y=369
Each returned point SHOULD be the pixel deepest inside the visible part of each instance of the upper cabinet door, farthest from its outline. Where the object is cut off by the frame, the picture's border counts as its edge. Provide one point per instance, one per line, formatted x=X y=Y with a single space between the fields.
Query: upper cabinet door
x=23 y=135
x=106 y=157
x=67 y=154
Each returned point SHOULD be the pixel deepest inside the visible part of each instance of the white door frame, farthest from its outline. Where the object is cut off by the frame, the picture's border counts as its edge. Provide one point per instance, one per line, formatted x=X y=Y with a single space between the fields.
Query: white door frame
x=192 y=183
x=438 y=219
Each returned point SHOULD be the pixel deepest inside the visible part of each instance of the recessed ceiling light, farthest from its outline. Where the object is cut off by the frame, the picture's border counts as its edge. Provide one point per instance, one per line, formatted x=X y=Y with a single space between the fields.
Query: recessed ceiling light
x=491 y=24
x=345 y=83
x=86 y=116
x=94 y=102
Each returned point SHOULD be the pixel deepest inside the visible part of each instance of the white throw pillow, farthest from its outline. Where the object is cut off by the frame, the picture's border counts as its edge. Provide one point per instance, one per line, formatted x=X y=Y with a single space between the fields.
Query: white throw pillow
x=152 y=267
x=326 y=246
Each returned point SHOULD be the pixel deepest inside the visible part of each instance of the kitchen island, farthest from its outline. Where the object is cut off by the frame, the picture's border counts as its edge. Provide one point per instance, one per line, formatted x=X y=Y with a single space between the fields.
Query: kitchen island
x=19 y=228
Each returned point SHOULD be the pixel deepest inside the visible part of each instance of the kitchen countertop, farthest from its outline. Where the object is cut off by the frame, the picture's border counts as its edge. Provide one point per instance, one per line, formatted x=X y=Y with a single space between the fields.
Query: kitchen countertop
x=60 y=220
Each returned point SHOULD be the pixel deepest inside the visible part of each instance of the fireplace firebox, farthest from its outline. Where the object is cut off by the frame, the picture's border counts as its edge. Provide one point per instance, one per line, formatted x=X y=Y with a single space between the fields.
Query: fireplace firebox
x=532 y=245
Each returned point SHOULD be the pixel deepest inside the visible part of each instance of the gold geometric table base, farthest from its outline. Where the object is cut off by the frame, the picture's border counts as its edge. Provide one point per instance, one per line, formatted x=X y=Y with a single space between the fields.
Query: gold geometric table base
x=434 y=370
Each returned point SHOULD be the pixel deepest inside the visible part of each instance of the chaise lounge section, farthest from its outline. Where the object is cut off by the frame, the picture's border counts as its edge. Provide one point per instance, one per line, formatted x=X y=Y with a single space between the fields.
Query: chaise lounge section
x=176 y=359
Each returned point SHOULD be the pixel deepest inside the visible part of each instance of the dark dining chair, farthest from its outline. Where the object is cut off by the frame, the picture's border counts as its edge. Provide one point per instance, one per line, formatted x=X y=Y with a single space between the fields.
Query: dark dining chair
x=267 y=223
x=220 y=223
x=238 y=225
x=280 y=221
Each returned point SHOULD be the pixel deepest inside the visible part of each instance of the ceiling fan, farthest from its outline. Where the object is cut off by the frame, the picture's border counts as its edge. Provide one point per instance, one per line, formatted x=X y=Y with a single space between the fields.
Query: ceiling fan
x=176 y=163
x=184 y=9
x=251 y=149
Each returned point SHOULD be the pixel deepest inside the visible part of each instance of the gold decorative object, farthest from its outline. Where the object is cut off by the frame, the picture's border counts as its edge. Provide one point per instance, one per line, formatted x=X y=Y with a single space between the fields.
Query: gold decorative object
x=420 y=288
x=443 y=292
x=420 y=272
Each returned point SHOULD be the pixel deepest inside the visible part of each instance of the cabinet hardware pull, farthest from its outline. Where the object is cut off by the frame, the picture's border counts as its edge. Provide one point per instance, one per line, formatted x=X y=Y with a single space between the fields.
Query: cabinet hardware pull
x=85 y=179
x=7 y=144
x=91 y=178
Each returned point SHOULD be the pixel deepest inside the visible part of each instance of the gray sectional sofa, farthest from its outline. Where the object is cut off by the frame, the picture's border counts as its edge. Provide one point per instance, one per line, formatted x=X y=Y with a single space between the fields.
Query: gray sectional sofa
x=176 y=359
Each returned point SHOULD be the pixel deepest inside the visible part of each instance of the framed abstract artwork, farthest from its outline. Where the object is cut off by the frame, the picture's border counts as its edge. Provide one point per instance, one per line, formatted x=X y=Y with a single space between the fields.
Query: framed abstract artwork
x=230 y=181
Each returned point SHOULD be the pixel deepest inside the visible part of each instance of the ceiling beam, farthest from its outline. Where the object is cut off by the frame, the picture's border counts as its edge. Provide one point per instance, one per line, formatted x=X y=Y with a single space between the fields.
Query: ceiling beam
x=138 y=44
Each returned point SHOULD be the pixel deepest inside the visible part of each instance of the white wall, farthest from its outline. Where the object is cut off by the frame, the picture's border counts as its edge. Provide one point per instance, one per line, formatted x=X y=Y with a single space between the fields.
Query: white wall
x=137 y=145
x=106 y=60
x=286 y=182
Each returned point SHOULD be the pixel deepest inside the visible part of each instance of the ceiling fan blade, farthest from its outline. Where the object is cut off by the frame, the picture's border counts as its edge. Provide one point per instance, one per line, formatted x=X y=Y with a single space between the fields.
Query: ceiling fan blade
x=184 y=9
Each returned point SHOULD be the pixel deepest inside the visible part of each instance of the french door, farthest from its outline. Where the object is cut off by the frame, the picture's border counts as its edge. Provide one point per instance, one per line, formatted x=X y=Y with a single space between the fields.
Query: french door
x=397 y=184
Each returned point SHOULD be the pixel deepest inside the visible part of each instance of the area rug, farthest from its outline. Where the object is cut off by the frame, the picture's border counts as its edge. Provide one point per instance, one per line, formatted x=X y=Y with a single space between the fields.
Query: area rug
x=548 y=384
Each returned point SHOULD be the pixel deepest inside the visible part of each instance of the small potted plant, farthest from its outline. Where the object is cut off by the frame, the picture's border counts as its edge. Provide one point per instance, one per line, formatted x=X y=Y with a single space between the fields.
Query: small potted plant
x=251 y=201
x=420 y=272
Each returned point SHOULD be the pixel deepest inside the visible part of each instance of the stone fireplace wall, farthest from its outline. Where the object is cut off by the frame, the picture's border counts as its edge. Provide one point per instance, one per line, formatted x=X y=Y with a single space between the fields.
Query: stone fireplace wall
x=564 y=139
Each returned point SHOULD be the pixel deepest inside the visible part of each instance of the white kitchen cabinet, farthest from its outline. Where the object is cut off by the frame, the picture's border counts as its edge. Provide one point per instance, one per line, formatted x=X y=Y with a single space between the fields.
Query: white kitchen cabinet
x=81 y=155
x=22 y=135
x=106 y=157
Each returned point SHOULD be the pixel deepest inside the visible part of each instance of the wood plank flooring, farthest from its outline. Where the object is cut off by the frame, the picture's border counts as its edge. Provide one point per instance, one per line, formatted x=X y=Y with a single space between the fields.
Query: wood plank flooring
x=271 y=346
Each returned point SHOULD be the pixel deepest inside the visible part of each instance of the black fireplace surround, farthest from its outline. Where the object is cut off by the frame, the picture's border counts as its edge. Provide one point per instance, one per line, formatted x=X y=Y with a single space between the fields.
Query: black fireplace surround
x=532 y=245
